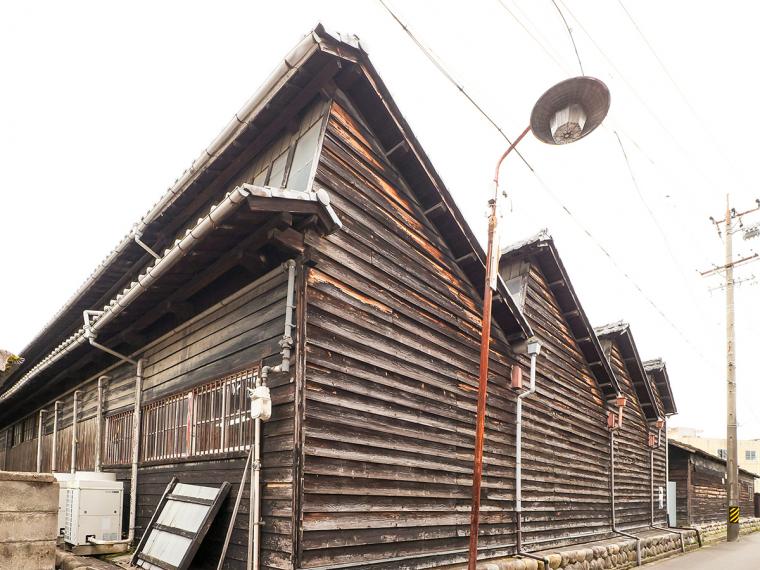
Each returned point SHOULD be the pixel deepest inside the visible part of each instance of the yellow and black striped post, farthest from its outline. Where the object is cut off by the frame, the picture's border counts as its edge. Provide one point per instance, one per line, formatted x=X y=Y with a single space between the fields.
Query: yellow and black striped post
x=733 y=515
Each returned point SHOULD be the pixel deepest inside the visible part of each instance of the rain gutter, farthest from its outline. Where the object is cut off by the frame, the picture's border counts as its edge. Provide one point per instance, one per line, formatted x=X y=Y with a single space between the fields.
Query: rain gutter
x=96 y=320
x=282 y=74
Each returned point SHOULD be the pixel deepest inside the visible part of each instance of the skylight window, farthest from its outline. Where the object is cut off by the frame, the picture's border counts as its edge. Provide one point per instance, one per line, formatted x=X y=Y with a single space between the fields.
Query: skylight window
x=289 y=160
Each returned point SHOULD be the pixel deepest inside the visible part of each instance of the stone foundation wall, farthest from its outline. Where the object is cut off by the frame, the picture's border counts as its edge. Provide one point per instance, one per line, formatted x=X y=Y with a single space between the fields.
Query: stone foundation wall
x=28 y=521
x=715 y=532
x=620 y=555
x=616 y=555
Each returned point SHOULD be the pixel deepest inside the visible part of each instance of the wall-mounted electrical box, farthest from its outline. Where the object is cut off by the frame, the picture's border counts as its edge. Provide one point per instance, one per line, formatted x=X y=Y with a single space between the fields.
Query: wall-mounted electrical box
x=516 y=377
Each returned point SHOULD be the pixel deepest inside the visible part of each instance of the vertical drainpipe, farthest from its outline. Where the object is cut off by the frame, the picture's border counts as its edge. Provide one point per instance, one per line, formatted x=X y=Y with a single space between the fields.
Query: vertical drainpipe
x=54 y=443
x=136 y=416
x=255 y=516
x=651 y=485
x=254 y=512
x=74 y=441
x=667 y=478
x=39 y=441
x=612 y=499
x=534 y=347
x=99 y=424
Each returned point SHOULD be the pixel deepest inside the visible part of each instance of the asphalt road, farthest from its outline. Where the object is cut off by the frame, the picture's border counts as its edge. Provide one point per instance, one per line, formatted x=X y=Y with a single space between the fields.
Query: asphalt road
x=742 y=554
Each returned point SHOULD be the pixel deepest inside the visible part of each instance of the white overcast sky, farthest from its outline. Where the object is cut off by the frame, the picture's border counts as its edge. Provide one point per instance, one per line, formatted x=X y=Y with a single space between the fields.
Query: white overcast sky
x=103 y=105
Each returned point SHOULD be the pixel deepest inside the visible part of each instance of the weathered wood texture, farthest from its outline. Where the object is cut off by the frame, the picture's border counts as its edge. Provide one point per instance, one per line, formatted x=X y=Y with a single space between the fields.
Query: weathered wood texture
x=566 y=443
x=632 y=457
x=391 y=376
x=701 y=490
x=238 y=335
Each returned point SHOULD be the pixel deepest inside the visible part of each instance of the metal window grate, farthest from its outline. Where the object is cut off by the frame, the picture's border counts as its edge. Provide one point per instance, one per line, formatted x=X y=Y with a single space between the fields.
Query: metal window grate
x=212 y=418
x=164 y=428
x=221 y=421
x=118 y=438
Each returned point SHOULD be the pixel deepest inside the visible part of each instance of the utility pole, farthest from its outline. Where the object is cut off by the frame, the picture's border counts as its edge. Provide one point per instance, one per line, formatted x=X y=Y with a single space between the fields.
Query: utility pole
x=732 y=460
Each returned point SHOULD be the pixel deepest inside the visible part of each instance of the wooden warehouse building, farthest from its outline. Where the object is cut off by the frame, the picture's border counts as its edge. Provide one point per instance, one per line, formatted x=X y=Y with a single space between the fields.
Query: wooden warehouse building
x=700 y=486
x=313 y=243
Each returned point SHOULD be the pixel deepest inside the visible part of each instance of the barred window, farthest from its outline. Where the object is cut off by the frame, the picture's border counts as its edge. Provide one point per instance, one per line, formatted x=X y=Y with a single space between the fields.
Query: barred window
x=24 y=430
x=164 y=428
x=209 y=419
x=118 y=438
x=220 y=415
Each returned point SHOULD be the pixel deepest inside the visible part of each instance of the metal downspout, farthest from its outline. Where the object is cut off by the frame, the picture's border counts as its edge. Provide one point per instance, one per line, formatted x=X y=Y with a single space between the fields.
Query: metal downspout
x=99 y=424
x=651 y=506
x=90 y=334
x=534 y=347
x=667 y=493
x=54 y=444
x=254 y=547
x=612 y=500
x=136 y=416
x=74 y=441
x=39 y=440
x=135 y=456
x=254 y=521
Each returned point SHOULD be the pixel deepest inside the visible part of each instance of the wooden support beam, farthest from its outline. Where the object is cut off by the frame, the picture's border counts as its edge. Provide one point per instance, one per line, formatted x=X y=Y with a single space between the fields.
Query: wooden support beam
x=400 y=147
x=214 y=271
x=288 y=238
x=438 y=207
x=466 y=257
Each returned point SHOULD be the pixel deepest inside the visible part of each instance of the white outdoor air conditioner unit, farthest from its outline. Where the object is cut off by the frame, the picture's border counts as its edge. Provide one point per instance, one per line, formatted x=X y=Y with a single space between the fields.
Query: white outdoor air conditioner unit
x=63 y=482
x=93 y=507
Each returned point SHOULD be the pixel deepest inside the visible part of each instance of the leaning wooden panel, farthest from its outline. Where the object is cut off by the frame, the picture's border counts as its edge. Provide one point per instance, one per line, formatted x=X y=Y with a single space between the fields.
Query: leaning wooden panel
x=183 y=519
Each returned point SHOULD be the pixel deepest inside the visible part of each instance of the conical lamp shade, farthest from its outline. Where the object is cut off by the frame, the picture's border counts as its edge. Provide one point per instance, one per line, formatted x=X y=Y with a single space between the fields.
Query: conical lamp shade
x=570 y=110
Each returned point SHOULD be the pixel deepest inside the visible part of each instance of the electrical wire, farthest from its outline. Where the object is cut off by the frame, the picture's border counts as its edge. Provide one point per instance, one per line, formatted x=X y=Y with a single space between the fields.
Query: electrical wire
x=551 y=55
x=703 y=124
x=642 y=101
x=630 y=170
x=543 y=43
x=438 y=63
x=656 y=222
x=569 y=33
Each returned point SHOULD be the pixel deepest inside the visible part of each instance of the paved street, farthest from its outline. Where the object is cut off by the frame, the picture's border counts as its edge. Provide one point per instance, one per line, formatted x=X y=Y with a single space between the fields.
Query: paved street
x=742 y=554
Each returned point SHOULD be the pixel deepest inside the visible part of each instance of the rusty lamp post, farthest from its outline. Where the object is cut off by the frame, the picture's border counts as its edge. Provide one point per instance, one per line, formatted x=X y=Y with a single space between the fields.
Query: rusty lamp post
x=565 y=113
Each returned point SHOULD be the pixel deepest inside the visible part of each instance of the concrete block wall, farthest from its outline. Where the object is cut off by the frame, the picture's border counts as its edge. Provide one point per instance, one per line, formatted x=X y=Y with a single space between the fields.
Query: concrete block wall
x=28 y=521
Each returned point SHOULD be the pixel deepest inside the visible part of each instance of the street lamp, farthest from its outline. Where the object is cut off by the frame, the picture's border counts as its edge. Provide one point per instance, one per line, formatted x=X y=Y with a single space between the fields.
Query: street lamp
x=565 y=113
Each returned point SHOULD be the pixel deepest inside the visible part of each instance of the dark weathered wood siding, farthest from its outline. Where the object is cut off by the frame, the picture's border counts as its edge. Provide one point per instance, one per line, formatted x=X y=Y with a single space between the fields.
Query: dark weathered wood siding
x=391 y=374
x=701 y=490
x=566 y=444
x=236 y=336
x=632 y=457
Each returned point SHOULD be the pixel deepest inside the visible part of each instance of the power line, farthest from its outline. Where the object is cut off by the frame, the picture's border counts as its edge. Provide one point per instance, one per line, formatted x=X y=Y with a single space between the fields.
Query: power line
x=703 y=125
x=641 y=100
x=544 y=44
x=654 y=219
x=551 y=55
x=438 y=63
x=570 y=33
